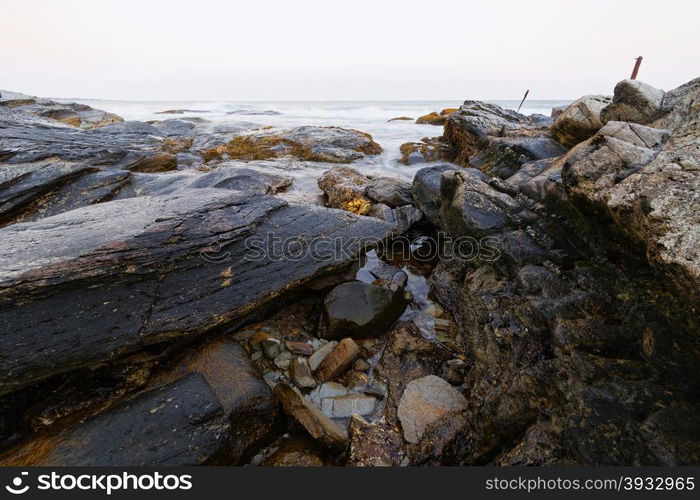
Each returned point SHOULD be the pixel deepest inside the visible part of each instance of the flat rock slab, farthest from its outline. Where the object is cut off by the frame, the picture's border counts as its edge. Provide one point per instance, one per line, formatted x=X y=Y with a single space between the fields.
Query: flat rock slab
x=78 y=288
x=181 y=423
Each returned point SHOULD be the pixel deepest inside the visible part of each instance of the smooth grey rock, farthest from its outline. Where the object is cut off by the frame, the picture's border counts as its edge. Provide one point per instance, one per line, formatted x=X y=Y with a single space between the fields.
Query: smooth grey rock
x=359 y=309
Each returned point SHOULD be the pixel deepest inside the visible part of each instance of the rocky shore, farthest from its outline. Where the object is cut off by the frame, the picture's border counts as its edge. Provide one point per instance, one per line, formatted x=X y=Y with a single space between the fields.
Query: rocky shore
x=531 y=298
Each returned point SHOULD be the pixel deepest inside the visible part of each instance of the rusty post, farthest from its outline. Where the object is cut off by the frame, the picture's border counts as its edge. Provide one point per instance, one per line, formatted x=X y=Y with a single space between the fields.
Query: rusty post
x=521 y=102
x=636 y=68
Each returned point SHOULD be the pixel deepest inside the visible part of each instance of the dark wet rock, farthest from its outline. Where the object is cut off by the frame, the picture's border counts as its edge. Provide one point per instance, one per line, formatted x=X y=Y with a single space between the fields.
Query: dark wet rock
x=426 y=190
x=338 y=360
x=298 y=451
x=173 y=268
x=133 y=146
x=323 y=144
x=70 y=113
x=226 y=176
x=472 y=128
x=503 y=157
x=402 y=218
x=578 y=292
x=400 y=118
x=181 y=423
x=634 y=101
x=33 y=191
x=310 y=417
x=344 y=188
x=382 y=273
x=373 y=445
x=580 y=120
x=248 y=402
x=407 y=356
x=424 y=401
x=426 y=151
x=359 y=309
x=389 y=191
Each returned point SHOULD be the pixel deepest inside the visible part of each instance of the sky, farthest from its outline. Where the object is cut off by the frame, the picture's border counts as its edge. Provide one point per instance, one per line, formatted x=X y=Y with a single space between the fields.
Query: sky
x=332 y=50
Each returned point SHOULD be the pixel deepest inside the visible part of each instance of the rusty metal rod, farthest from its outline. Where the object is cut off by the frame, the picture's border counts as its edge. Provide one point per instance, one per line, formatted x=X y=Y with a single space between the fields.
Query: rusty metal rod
x=636 y=68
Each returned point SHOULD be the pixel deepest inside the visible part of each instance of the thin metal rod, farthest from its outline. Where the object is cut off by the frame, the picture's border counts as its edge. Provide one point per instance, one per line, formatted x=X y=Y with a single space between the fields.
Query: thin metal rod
x=524 y=97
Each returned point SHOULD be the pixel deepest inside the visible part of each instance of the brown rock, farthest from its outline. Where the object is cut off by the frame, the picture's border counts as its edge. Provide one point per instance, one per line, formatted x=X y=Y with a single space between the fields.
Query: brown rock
x=345 y=189
x=424 y=401
x=301 y=373
x=361 y=365
x=373 y=445
x=339 y=360
x=298 y=451
x=310 y=417
x=301 y=348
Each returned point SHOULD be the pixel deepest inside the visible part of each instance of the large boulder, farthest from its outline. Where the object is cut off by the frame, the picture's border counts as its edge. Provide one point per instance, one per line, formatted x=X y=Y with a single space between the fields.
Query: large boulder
x=181 y=423
x=580 y=120
x=359 y=309
x=173 y=268
x=634 y=101
x=645 y=185
x=496 y=140
x=426 y=190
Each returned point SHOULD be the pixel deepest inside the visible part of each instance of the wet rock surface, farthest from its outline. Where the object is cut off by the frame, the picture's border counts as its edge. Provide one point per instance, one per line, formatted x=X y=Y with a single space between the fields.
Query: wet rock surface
x=166 y=272
x=360 y=310
x=322 y=144
x=130 y=434
x=498 y=141
x=74 y=114
x=574 y=311
x=566 y=335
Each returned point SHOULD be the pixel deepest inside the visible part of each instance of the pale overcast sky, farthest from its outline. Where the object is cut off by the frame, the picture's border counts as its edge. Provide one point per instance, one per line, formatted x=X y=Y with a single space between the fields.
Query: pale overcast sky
x=360 y=49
